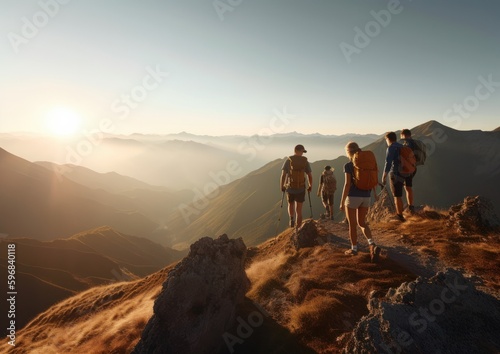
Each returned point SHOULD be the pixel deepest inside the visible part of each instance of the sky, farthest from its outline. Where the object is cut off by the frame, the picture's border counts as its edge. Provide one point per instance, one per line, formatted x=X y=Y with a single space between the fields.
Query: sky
x=223 y=67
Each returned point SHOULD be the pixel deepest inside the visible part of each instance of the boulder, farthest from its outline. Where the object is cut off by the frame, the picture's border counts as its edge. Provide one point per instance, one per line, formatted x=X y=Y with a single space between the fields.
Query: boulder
x=443 y=314
x=306 y=235
x=199 y=298
x=476 y=215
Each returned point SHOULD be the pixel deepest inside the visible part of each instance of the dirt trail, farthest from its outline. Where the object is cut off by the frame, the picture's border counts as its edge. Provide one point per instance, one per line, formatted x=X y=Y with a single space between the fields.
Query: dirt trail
x=392 y=242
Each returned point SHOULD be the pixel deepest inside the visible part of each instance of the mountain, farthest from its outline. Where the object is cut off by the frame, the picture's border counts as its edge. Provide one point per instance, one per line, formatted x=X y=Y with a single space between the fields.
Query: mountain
x=459 y=163
x=111 y=181
x=175 y=161
x=62 y=268
x=310 y=299
x=36 y=202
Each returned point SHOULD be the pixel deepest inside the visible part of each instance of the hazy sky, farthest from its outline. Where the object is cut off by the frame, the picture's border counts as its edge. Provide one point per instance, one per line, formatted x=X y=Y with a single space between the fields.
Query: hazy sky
x=244 y=67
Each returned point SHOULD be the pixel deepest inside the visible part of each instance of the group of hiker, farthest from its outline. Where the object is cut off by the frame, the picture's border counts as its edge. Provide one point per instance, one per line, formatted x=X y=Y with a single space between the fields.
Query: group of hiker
x=361 y=178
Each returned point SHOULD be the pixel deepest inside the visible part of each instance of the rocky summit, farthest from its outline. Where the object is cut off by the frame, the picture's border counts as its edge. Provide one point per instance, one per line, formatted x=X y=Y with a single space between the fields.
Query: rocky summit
x=199 y=299
x=443 y=314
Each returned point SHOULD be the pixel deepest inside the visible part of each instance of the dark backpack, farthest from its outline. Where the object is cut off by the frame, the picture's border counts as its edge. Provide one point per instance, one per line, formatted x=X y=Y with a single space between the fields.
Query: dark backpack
x=296 y=177
x=329 y=182
x=407 y=161
x=419 y=149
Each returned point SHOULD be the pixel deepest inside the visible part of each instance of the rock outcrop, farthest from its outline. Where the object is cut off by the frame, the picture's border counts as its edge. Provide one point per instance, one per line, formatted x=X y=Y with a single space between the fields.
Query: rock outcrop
x=198 y=301
x=306 y=235
x=444 y=314
x=382 y=209
x=476 y=215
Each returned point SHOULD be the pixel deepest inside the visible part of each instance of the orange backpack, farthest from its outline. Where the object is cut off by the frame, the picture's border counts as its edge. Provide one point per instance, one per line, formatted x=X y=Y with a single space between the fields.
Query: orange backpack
x=365 y=170
x=407 y=161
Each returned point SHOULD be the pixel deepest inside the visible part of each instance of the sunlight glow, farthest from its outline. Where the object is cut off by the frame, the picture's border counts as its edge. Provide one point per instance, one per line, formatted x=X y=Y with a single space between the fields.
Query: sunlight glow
x=63 y=121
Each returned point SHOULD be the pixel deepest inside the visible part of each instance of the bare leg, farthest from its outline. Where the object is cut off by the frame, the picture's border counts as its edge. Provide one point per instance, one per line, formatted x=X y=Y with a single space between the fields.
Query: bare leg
x=299 y=214
x=409 y=195
x=353 y=225
x=399 y=205
x=362 y=211
x=291 y=210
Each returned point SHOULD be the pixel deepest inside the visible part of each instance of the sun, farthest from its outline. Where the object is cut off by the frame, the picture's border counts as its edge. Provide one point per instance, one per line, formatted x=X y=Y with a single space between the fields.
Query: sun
x=63 y=121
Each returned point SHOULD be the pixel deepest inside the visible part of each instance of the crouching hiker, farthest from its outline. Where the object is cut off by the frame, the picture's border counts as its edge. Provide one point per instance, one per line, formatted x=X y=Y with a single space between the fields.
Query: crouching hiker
x=361 y=177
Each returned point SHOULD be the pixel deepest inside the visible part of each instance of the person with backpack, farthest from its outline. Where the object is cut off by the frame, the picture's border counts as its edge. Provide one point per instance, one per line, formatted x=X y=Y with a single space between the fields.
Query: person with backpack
x=361 y=178
x=293 y=182
x=326 y=188
x=419 y=150
x=400 y=165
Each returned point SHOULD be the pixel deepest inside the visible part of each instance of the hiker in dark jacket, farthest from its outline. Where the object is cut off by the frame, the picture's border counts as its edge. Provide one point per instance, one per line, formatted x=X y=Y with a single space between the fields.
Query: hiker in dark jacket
x=293 y=181
x=391 y=168
x=326 y=189
x=357 y=202
x=407 y=140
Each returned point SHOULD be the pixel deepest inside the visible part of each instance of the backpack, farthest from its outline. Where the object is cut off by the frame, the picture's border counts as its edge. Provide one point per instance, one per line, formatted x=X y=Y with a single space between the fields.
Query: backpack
x=365 y=175
x=296 y=177
x=329 y=182
x=407 y=161
x=419 y=149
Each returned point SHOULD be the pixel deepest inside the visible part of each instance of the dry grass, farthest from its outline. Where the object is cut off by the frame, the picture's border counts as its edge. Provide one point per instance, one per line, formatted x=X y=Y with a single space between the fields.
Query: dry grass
x=106 y=319
x=318 y=293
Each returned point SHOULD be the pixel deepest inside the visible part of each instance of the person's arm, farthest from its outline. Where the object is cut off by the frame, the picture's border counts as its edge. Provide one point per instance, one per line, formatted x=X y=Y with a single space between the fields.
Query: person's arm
x=319 y=185
x=345 y=191
x=310 y=178
x=283 y=180
x=389 y=157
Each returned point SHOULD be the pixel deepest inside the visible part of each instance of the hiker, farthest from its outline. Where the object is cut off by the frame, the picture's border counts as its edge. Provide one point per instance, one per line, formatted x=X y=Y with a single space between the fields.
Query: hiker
x=293 y=181
x=359 y=183
x=399 y=170
x=406 y=140
x=326 y=188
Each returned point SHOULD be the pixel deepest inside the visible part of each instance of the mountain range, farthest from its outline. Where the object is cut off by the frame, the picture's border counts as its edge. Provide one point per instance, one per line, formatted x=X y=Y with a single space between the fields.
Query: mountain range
x=459 y=163
x=58 y=269
x=65 y=199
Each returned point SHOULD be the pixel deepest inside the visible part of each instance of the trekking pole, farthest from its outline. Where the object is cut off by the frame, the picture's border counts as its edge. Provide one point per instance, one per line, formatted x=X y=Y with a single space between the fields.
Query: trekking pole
x=280 y=212
x=310 y=205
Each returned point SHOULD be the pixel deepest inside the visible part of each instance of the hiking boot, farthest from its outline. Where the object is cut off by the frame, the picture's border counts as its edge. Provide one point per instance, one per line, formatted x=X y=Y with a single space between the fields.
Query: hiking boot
x=398 y=217
x=292 y=222
x=331 y=217
x=351 y=252
x=411 y=208
x=374 y=253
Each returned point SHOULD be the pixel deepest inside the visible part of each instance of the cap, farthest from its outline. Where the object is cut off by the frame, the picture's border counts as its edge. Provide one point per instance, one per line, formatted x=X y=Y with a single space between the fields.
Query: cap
x=300 y=148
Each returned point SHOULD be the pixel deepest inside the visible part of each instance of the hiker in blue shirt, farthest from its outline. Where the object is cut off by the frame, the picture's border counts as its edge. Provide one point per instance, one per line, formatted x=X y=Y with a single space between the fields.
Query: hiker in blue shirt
x=391 y=167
